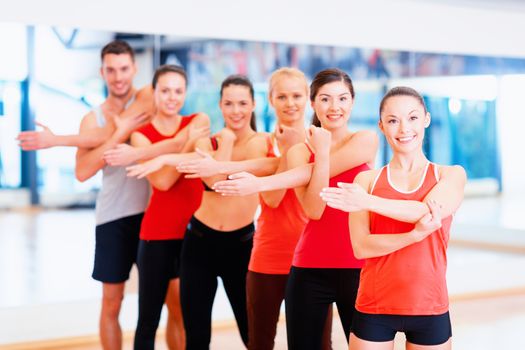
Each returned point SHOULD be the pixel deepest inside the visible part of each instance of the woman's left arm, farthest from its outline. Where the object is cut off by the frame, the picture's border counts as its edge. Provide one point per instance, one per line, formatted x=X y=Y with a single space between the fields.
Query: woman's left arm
x=450 y=189
x=448 y=193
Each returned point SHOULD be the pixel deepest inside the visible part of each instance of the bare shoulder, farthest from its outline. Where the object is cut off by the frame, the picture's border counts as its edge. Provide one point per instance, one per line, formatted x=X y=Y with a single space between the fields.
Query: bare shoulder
x=298 y=154
x=258 y=144
x=89 y=121
x=299 y=149
x=145 y=93
x=138 y=139
x=201 y=118
x=455 y=172
x=366 y=178
x=364 y=137
x=204 y=144
x=258 y=139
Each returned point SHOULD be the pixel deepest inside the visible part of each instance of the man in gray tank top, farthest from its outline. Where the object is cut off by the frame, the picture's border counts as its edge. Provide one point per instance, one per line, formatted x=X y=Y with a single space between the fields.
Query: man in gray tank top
x=121 y=200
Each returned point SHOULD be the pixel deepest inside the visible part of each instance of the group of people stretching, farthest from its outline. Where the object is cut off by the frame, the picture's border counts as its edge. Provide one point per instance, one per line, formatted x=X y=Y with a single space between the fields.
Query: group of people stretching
x=331 y=229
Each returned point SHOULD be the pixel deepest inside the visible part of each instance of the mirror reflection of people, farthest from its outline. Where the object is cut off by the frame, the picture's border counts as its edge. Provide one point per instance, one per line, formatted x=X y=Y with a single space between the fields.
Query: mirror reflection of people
x=400 y=217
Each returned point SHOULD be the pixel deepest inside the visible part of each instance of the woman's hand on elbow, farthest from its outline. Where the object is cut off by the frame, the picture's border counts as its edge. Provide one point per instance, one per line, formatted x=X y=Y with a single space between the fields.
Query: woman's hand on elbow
x=429 y=223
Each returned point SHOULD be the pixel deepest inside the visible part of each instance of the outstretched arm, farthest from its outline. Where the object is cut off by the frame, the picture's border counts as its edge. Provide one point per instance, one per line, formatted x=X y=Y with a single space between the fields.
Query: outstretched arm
x=95 y=136
x=367 y=245
x=244 y=183
x=36 y=140
x=145 y=168
x=123 y=154
x=207 y=166
x=448 y=192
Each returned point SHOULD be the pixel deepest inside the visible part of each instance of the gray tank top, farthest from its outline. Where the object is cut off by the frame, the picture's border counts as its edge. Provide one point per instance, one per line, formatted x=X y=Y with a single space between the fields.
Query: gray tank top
x=120 y=196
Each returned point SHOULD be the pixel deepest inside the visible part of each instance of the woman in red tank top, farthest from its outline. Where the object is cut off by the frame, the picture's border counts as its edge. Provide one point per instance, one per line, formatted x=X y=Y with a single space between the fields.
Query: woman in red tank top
x=324 y=269
x=173 y=201
x=397 y=225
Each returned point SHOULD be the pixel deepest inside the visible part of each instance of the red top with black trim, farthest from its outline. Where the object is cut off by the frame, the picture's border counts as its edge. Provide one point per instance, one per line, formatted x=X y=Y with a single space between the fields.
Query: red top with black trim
x=409 y=281
x=169 y=212
x=325 y=243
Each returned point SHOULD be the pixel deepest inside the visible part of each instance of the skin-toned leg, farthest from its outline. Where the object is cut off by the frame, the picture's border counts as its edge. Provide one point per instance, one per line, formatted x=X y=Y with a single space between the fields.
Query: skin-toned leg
x=445 y=346
x=360 y=344
x=175 y=336
x=109 y=327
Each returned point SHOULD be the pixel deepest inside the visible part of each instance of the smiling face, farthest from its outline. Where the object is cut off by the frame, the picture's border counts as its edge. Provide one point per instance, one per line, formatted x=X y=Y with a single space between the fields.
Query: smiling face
x=170 y=92
x=237 y=106
x=332 y=105
x=288 y=96
x=118 y=71
x=403 y=122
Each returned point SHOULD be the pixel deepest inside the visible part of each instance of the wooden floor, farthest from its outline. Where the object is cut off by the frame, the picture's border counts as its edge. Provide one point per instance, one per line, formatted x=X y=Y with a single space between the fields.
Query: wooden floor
x=46 y=292
x=494 y=323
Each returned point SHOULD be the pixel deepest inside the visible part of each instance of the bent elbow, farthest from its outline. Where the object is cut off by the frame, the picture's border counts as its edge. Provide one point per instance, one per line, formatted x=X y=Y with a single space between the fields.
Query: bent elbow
x=360 y=252
x=163 y=185
x=80 y=175
x=272 y=204
x=314 y=215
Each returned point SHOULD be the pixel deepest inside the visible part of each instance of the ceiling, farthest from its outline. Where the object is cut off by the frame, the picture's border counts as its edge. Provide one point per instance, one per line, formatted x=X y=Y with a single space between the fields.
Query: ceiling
x=510 y=5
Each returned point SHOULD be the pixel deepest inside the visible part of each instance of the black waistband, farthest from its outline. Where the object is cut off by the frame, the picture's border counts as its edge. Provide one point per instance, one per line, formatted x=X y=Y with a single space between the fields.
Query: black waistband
x=202 y=230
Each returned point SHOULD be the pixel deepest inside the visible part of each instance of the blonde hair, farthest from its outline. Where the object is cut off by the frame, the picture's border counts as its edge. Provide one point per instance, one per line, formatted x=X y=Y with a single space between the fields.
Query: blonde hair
x=286 y=72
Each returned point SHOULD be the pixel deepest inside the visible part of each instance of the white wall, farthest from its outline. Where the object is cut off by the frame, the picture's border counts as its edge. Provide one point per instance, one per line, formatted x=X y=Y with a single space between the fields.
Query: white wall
x=511 y=125
x=389 y=24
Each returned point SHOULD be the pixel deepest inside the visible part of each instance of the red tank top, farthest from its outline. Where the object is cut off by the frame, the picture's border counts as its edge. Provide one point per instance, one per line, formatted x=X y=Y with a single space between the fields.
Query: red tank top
x=278 y=230
x=169 y=212
x=410 y=281
x=325 y=243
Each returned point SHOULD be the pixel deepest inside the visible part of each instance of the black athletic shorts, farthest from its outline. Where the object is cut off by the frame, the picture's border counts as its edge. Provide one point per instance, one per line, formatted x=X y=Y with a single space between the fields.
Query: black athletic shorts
x=116 y=249
x=419 y=330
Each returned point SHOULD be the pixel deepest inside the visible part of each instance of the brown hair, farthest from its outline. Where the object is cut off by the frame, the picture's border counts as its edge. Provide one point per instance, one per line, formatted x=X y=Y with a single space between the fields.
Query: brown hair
x=168 y=68
x=117 y=47
x=324 y=77
x=402 y=91
x=241 y=80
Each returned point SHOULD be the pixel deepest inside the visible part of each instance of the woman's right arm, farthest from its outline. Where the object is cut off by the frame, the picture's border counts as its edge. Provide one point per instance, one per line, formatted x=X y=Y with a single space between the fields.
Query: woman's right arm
x=164 y=176
x=448 y=192
x=367 y=245
x=207 y=166
x=123 y=154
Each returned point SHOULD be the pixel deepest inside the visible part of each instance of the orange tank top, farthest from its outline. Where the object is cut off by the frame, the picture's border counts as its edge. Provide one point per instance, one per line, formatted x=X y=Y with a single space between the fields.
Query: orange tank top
x=278 y=230
x=410 y=281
